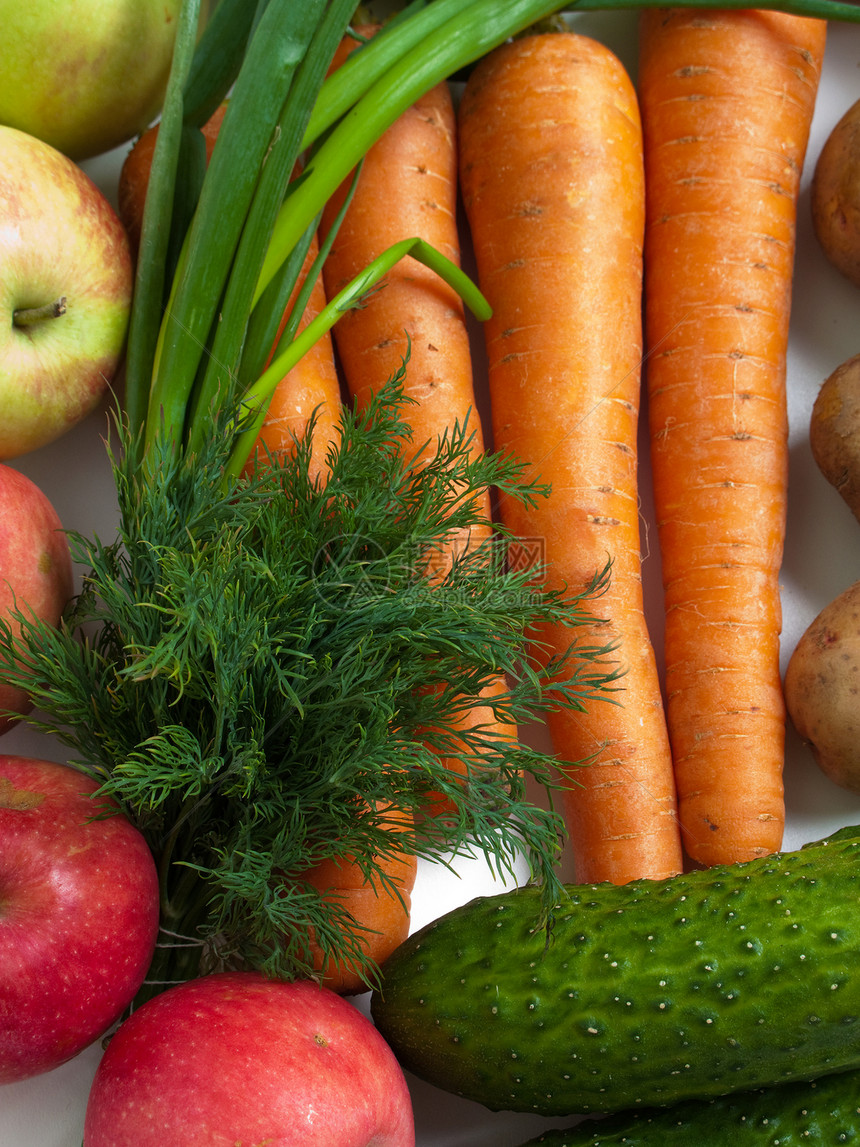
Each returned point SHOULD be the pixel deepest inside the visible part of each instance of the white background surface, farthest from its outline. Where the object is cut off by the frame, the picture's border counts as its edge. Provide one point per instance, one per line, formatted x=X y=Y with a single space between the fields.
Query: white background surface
x=822 y=557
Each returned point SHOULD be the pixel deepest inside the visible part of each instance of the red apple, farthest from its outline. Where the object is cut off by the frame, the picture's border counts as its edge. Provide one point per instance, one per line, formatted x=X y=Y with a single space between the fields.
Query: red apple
x=65 y=293
x=237 y=1058
x=35 y=566
x=78 y=915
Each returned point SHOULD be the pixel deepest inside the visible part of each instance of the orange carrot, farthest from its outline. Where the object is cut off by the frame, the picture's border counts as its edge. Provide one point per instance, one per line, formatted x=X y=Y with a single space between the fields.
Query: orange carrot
x=312 y=384
x=408 y=187
x=381 y=912
x=726 y=99
x=551 y=172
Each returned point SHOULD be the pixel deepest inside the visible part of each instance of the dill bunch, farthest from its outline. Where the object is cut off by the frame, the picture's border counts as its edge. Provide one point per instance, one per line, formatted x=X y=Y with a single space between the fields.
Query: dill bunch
x=261 y=674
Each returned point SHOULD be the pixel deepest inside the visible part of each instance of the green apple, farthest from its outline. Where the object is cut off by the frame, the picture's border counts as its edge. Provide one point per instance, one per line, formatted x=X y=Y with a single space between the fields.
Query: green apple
x=88 y=76
x=65 y=293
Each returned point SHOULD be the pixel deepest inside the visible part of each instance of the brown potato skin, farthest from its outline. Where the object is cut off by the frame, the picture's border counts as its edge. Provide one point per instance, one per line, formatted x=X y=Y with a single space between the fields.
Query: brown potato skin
x=834 y=431
x=822 y=689
x=836 y=196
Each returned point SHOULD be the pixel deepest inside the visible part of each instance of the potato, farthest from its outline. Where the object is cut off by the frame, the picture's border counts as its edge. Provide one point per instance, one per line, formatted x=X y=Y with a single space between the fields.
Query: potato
x=834 y=431
x=836 y=195
x=822 y=689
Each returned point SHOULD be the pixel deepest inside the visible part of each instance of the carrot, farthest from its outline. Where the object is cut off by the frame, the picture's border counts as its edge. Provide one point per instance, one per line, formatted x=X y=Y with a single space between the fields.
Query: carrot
x=311 y=387
x=313 y=384
x=408 y=187
x=726 y=99
x=552 y=180
x=380 y=911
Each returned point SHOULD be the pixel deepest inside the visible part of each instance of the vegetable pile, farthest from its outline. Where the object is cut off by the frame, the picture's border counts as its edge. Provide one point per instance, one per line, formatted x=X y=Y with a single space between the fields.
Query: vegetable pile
x=304 y=661
x=257 y=668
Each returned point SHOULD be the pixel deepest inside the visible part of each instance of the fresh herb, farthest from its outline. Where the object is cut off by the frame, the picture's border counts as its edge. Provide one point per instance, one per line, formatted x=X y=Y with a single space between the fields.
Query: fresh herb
x=256 y=674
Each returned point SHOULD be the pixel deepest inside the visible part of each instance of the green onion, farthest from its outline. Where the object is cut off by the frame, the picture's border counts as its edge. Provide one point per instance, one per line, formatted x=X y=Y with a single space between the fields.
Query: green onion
x=280 y=161
x=155 y=233
x=256 y=399
x=246 y=142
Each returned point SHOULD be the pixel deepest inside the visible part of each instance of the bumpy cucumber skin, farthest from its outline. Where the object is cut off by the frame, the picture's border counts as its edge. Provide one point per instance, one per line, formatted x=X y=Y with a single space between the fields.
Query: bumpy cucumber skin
x=823 y=1113
x=641 y=995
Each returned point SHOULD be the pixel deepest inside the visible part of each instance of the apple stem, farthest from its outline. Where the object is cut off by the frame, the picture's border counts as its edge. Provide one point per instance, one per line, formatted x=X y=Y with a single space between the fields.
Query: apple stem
x=30 y=316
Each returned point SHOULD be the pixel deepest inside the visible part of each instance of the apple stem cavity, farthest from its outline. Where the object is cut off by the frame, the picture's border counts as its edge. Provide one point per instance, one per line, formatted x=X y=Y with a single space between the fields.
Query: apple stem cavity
x=29 y=316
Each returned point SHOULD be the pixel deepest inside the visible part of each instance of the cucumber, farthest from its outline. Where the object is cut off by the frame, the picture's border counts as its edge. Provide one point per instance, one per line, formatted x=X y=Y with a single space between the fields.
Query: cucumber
x=823 y=1113
x=641 y=995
